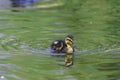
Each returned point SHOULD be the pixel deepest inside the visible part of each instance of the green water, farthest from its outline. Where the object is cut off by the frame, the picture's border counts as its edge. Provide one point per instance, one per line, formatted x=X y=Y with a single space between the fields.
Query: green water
x=25 y=38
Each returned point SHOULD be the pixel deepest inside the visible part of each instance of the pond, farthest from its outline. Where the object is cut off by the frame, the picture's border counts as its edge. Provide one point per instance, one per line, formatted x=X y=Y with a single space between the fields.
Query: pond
x=25 y=38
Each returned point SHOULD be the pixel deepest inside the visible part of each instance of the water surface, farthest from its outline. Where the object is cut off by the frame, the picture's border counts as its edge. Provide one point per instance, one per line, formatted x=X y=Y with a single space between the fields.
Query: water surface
x=25 y=38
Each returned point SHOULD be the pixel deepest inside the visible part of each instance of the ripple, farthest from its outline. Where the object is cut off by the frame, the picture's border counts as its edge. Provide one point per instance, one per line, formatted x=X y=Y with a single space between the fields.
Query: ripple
x=38 y=51
x=4 y=56
x=60 y=72
x=4 y=76
x=70 y=77
x=8 y=66
x=2 y=35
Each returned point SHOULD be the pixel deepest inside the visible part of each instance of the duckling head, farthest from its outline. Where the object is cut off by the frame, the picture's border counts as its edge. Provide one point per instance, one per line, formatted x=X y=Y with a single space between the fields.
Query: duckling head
x=69 y=40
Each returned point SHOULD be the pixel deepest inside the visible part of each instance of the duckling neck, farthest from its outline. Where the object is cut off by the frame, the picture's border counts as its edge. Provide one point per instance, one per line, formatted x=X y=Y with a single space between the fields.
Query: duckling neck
x=69 y=48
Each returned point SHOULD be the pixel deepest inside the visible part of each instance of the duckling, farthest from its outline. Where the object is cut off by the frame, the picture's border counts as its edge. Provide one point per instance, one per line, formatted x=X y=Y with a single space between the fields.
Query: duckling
x=64 y=46
x=69 y=51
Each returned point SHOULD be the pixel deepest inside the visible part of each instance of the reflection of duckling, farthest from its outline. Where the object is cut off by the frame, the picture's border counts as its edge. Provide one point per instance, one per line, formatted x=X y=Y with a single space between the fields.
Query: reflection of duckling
x=69 y=50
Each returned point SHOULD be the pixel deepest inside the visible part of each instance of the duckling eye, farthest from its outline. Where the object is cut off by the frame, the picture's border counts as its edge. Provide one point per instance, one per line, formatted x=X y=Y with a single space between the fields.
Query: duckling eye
x=69 y=40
